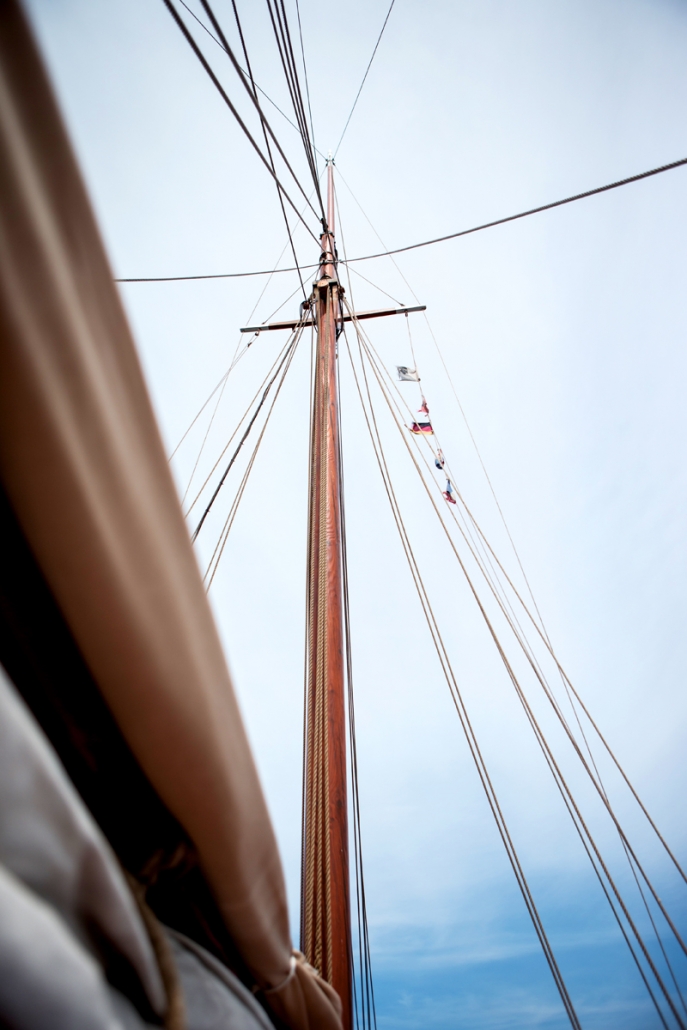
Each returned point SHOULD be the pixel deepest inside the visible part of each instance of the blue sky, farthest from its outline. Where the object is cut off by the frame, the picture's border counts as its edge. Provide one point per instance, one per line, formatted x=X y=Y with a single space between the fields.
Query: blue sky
x=565 y=337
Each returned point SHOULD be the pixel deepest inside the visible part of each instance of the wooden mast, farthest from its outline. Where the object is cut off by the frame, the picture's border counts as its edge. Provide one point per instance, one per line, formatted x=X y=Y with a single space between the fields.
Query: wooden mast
x=325 y=904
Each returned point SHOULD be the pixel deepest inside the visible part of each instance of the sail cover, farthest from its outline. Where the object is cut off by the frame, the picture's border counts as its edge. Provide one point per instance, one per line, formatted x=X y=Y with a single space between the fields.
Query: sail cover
x=83 y=467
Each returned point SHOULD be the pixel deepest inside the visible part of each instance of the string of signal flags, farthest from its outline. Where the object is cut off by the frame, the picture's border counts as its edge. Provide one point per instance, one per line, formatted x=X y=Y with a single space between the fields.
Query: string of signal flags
x=422 y=426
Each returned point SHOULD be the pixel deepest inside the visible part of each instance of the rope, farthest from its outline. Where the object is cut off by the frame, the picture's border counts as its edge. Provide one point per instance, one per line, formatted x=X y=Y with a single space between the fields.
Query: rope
x=400 y=303
x=558 y=712
x=454 y=689
x=219 y=275
x=205 y=438
x=200 y=412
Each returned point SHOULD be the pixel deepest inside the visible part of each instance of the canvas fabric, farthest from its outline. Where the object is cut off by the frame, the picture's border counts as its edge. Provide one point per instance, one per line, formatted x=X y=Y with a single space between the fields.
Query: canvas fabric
x=63 y=895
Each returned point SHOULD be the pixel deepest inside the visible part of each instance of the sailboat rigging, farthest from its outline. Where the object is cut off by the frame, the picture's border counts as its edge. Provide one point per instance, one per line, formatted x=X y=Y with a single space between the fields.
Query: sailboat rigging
x=114 y=692
x=326 y=933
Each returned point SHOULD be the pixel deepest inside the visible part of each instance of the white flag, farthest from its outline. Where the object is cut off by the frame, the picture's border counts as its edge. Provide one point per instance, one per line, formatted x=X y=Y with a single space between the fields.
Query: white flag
x=408 y=375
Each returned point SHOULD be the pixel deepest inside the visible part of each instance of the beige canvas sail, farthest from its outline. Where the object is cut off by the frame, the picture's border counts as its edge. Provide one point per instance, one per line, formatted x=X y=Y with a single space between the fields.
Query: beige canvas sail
x=82 y=463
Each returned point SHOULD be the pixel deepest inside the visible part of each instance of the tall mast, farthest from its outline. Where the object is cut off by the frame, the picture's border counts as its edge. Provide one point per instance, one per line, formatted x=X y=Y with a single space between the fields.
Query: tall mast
x=325 y=904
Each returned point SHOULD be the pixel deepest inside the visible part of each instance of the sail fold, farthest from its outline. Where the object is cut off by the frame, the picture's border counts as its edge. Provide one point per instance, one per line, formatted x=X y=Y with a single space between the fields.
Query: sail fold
x=83 y=465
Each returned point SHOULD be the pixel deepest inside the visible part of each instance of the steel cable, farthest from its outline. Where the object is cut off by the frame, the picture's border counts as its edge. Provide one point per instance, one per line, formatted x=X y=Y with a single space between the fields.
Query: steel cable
x=367 y=71
x=259 y=88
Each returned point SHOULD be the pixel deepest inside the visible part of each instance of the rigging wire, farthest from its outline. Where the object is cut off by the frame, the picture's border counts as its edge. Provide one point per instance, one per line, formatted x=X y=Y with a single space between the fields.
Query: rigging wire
x=581 y=828
x=367 y=70
x=530 y=211
x=305 y=76
x=216 y=557
x=456 y=696
x=289 y=351
x=252 y=93
x=200 y=412
x=526 y=580
x=368 y=1012
x=224 y=450
x=427 y=243
x=558 y=778
x=262 y=122
x=360 y=275
x=540 y=629
x=259 y=88
x=205 y=437
x=237 y=357
x=468 y=427
x=199 y=54
x=282 y=34
x=217 y=275
x=568 y=799
x=537 y=672
x=452 y=683
x=307 y=140
x=547 y=754
x=234 y=362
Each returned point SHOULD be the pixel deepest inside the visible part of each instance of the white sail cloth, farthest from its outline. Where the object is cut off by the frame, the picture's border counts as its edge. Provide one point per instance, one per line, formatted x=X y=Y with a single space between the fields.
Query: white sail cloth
x=60 y=887
x=83 y=465
x=62 y=894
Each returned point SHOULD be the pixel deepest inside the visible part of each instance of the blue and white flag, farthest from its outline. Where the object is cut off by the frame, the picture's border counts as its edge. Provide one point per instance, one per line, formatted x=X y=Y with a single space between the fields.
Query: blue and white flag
x=407 y=375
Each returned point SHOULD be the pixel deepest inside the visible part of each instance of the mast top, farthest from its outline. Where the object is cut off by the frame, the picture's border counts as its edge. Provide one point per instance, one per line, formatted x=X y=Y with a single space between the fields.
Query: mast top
x=328 y=255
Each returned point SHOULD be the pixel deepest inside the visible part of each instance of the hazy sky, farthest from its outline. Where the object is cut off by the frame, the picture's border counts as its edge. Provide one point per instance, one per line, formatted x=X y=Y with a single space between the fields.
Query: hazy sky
x=565 y=338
